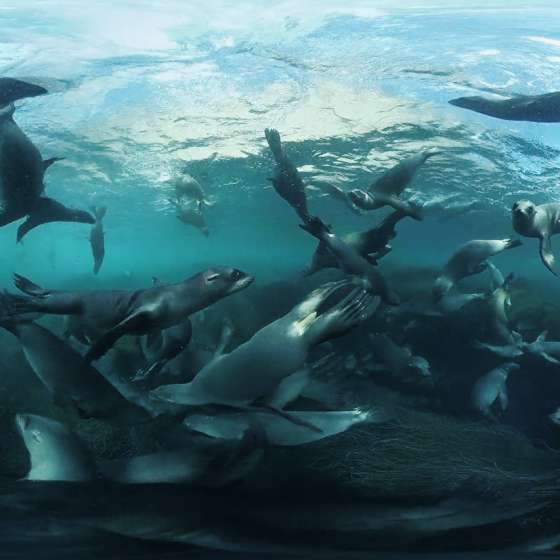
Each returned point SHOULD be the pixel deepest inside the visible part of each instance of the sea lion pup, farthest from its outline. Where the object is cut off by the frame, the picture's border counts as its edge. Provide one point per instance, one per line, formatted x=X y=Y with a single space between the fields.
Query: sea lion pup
x=543 y=108
x=492 y=387
x=542 y=348
x=173 y=341
x=73 y=384
x=97 y=238
x=350 y=261
x=541 y=221
x=287 y=181
x=470 y=258
x=120 y=312
x=398 y=360
x=22 y=169
x=55 y=452
x=255 y=369
x=368 y=201
x=190 y=213
x=372 y=244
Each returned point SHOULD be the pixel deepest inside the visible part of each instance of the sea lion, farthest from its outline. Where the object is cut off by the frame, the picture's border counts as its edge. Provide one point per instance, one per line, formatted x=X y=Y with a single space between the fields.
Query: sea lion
x=335 y=193
x=73 y=384
x=397 y=359
x=55 y=452
x=470 y=258
x=541 y=221
x=350 y=261
x=491 y=387
x=369 y=201
x=190 y=213
x=120 y=312
x=395 y=180
x=97 y=238
x=173 y=341
x=255 y=369
x=544 y=108
x=372 y=244
x=187 y=186
x=22 y=169
x=279 y=431
x=545 y=349
x=287 y=181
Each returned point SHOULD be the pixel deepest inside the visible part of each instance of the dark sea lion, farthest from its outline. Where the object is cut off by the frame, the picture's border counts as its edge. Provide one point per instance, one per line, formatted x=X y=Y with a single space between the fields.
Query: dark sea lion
x=22 y=169
x=287 y=181
x=351 y=262
x=371 y=241
x=120 y=312
x=97 y=238
x=543 y=108
x=541 y=221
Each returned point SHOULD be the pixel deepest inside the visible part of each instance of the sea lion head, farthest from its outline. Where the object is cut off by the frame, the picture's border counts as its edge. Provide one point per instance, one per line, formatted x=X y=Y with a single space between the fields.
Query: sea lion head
x=523 y=214
x=222 y=280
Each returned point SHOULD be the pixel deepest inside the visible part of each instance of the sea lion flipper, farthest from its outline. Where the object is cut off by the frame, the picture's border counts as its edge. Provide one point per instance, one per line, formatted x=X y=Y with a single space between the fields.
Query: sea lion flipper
x=129 y=325
x=47 y=210
x=48 y=162
x=547 y=256
x=11 y=90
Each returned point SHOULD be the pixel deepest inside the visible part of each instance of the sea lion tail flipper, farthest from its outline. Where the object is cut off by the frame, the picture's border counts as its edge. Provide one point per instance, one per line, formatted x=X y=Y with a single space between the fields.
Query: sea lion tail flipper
x=99 y=212
x=47 y=210
x=547 y=256
x=11 y=90
x=316 y=227
x=274 y=143
x=103 y=344
x=48 y=162
x=28 y=287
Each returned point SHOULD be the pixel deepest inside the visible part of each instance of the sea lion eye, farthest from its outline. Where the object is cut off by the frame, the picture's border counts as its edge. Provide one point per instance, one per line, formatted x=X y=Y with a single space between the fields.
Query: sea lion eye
x=530 y=210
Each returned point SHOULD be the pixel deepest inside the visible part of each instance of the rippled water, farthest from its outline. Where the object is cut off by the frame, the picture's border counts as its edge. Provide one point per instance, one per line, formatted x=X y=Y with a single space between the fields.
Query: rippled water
x=144 y=90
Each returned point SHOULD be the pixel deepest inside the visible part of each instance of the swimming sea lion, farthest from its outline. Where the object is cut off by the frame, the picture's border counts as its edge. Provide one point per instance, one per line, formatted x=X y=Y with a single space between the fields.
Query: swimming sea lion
x=287 y=181
x=369 y=201
x=120 y=312
x=190 y=213
x=491 y=387
x=22 y=169
x=470 y=258
x=372 y=244
x=398 y=360
x=97 y=238
x=187 y=186
x=72 y=383
x=395 y=180
x=543 y=108
x=255 y=369
x=350 y=261
x=55 y=452
x=548 y=350
x=541 y=221
x=173 y=341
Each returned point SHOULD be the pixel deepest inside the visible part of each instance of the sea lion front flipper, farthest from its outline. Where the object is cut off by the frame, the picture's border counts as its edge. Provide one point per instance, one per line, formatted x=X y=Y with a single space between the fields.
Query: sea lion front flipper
x=290 y=388
x=132 y=324
x=47 y=210
x=547 y=256
x=48 y=162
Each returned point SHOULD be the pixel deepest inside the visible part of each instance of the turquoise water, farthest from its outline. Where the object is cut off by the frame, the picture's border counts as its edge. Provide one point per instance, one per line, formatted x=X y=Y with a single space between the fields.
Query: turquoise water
x=141 y=92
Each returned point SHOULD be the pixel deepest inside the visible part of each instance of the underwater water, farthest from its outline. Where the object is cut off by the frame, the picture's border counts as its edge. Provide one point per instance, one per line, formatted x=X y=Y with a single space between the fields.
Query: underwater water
x=429 y=453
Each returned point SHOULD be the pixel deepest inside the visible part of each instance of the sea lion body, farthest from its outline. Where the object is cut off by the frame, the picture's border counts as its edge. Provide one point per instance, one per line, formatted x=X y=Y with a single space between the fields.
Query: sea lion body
x=97 y=239
x=543 y=108
x=132 y=312
x=492 y=387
